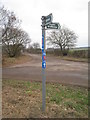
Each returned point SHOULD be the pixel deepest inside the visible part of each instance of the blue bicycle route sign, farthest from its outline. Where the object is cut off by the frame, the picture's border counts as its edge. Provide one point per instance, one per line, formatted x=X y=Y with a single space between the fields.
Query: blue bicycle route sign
x=44 y=60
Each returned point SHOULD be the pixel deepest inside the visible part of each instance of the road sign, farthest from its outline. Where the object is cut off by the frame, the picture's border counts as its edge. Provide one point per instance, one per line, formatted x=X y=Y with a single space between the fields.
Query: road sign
x=43 y=56
x=53 y=26
x=42 y=42
x=42 y=49
x=48 y=19
x=44 y=64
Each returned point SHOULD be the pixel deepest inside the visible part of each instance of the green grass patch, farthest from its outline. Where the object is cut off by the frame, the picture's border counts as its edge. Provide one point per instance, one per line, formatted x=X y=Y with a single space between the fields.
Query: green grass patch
x=61 y=100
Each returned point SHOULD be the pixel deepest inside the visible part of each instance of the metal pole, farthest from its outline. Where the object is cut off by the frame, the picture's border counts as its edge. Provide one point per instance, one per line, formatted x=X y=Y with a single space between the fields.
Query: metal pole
x=43 y=90
x=43 y=74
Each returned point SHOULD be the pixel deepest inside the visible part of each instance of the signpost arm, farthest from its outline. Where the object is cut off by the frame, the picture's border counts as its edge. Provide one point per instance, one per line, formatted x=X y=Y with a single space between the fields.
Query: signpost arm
x=43 y=74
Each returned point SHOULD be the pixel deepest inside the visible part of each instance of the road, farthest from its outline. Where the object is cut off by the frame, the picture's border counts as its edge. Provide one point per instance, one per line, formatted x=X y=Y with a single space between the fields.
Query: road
x=57 y=70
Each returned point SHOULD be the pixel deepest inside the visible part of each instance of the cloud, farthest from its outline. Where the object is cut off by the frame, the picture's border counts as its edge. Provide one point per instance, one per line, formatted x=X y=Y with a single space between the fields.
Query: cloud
x=72 y=13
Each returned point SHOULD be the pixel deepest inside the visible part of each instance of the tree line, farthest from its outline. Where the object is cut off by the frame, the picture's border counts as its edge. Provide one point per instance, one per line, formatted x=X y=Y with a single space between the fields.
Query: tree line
x=14 y=39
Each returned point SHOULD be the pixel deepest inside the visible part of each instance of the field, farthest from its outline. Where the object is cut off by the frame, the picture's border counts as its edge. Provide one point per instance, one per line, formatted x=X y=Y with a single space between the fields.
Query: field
x=23 y=99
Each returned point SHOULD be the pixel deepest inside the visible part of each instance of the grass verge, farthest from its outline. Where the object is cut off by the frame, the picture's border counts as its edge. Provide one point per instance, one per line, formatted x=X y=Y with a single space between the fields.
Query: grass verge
x=24 y=99
x=7 y=61
x=69 y=58
x=74 y=59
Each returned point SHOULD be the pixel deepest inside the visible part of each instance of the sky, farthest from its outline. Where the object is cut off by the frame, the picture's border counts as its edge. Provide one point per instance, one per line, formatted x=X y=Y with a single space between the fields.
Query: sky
x=72 y=14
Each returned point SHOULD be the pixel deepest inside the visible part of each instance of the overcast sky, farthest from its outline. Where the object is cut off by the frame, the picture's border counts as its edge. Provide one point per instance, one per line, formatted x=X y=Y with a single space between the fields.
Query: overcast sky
x=70 y=13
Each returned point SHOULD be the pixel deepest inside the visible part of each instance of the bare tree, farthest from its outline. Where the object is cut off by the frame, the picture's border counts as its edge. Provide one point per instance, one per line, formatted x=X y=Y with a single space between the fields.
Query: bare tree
x=3 y=13
x=64 y=39
x=36 y=45
x=34 y=48
x=13 y=38
x=17 y=41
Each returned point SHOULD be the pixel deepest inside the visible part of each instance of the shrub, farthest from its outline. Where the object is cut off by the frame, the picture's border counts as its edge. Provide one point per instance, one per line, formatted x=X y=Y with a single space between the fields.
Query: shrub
x=78 y=53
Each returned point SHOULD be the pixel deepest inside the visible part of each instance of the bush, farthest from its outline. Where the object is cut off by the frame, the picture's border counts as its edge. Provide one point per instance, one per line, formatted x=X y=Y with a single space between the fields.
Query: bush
x=12 y=50
x=70 y=53
x=34 y=51
x=78 y=53
x=57 y=52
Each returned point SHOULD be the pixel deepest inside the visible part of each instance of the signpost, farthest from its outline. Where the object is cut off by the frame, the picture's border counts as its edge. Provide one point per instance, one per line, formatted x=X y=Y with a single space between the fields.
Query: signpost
x=43 y=64
x=46 y=23
x=53 y=26
x=48 y=19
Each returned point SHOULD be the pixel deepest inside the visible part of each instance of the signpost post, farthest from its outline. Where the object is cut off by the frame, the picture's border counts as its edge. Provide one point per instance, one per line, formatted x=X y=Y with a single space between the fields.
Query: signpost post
x=43 y=65
x=46 y=23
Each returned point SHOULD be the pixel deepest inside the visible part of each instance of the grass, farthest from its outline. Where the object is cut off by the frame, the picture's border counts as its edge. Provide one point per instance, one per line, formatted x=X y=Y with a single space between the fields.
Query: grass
x=70 y=58
x=24 y=99
x=7 y=61
x=74 y=59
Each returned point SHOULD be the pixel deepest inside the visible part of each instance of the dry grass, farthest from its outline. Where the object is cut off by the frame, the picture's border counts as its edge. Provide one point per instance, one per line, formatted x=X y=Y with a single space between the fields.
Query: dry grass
x=7 y=61
x=74 y=59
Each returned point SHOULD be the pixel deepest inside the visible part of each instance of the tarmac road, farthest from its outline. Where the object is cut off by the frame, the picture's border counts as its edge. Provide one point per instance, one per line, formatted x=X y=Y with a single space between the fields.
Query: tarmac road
x=60 y=71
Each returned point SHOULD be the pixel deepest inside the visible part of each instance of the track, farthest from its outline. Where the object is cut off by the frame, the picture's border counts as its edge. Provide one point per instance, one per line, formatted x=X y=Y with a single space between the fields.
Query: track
x=59 y=71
